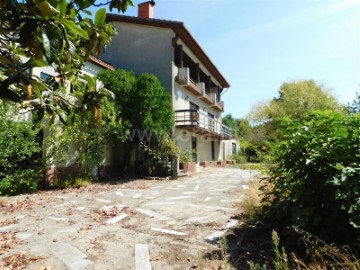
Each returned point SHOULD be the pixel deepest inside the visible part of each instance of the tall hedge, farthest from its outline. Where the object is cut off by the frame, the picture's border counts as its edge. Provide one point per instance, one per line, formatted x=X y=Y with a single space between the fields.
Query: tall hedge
x=316 y=184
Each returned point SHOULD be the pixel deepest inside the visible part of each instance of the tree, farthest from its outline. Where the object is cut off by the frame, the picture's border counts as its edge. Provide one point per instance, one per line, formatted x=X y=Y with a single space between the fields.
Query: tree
x=354 y=107
x=143 y=103
x=232 y=123
x=295 y=100
x=85 y=133
x=53 y=33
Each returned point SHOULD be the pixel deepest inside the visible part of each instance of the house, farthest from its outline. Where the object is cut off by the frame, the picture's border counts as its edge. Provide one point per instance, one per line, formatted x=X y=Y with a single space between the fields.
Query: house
x=168 y=50
x=69 y=167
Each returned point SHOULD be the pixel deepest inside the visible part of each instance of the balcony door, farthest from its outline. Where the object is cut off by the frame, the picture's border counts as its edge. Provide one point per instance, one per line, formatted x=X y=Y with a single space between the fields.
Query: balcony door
x=194 y=115
x=211 y=122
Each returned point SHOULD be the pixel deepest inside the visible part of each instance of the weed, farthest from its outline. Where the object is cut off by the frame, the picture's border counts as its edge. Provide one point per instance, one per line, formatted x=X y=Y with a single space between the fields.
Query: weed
x=252 y=200
x=72 y=182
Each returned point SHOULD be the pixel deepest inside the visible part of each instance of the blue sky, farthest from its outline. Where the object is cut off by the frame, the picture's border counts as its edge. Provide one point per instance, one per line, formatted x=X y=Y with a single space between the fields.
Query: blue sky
x=259 y=44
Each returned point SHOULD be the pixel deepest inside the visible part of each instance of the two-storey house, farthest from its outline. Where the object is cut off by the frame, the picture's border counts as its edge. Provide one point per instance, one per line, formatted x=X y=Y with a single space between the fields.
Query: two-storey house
x=168 y=50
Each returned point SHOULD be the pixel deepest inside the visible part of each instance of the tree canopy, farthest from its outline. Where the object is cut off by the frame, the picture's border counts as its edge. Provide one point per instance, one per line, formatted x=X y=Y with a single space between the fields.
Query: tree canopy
x=56 y=33
x=143 y=104
x=354 y=107
x=296 y=99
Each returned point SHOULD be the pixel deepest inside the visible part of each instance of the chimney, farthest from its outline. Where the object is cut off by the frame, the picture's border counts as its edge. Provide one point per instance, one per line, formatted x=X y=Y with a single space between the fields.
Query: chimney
x=146 y=10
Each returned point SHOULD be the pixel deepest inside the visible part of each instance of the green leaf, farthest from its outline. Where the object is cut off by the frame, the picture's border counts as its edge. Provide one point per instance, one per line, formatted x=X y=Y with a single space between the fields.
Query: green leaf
x=47 y=10
x=46 y=42
x=100 y=17
x=62 y=7
x=74 y=28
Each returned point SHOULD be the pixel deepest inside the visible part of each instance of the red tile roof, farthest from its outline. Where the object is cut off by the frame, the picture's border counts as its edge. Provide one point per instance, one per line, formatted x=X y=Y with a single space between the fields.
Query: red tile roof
x=101 y=63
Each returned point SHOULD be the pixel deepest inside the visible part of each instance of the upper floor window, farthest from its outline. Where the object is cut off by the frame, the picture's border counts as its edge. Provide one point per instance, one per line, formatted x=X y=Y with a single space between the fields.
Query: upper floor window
x=46 y=78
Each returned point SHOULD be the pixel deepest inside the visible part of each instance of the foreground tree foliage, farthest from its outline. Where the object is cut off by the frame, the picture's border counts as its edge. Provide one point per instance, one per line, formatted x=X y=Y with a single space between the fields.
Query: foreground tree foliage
x=143 y=104
x=20 y=165
x=56 y=33
x=315 y=185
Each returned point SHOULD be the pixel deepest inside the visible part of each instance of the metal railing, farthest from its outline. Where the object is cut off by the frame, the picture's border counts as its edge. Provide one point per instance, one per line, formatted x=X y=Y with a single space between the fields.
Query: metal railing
x=195 y=118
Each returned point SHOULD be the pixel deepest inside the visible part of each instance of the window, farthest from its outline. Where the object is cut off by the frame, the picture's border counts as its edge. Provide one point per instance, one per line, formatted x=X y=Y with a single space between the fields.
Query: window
x=45 y=77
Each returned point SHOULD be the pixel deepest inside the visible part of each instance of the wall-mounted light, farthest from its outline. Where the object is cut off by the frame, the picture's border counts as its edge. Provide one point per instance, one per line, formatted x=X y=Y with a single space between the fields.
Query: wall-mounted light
x=184 y=133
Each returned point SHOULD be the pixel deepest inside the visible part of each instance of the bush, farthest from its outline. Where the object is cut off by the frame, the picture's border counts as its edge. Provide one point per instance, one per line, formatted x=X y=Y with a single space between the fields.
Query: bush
x=20 y=167
x=316 y=183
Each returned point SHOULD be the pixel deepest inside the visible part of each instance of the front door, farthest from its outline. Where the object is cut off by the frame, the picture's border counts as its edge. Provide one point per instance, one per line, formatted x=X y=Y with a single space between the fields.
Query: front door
x=212 y=150
x=194 y=148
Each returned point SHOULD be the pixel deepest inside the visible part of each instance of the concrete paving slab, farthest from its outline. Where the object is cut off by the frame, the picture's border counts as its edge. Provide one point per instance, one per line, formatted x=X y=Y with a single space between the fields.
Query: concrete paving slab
x=210 y=207
x=245 y=186
x=64 y=204
x=60 y=197
x=196 y=188
x=218 y=234
x=167 y=231
x=142 y=257
x=178 y=198
x=21 y=216
x=136 y=196
x=189 y=192
x=119 y=193
x=197 y=219
x=116 y=219
x=207 y=199
x=23 y=236
x=73 y=258
x=151 y=213
x=80 y=208
x=107 y=208
x=58 y=219
x=159 y=204
x=102 y=200
x=69 y=230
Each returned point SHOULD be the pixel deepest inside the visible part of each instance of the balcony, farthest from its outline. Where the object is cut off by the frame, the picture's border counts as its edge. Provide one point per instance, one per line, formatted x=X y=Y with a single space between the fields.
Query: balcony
x=201 y=124
x=219 y=106
x=198 y=89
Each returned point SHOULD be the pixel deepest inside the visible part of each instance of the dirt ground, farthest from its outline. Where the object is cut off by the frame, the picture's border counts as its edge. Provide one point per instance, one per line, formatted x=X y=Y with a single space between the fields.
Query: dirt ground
x=140 y=224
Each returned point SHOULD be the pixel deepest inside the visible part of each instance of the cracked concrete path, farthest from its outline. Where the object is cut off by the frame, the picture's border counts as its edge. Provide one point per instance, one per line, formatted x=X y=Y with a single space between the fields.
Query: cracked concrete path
x=113 y=226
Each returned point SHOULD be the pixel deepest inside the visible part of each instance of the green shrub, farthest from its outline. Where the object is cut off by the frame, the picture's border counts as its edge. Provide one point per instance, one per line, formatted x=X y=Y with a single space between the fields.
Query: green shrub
x=316 y=183
x=19 y=165
x=72 y=182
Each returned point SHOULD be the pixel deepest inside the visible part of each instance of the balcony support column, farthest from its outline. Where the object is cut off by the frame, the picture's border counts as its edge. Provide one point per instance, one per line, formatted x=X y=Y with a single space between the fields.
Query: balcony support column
x=197 y=72
x=181 y=56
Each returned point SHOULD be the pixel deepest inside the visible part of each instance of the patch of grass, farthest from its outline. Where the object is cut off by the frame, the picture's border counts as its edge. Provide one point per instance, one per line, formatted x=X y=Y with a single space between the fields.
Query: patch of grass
x=216 y=259
x=252 y=200
x=72 y=182
x=262 y=167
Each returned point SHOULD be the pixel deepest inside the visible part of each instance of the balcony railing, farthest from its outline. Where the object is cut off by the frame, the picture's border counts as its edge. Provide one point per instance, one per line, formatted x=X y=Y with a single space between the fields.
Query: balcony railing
x=206 y=124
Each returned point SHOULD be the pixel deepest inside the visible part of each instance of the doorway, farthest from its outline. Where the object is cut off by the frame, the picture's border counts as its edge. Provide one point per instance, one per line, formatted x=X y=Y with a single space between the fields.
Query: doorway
x=212 y=150
x=194 y=148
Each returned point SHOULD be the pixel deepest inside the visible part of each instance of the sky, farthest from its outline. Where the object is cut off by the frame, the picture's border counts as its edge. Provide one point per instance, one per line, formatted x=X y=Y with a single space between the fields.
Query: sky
x=259 y=44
